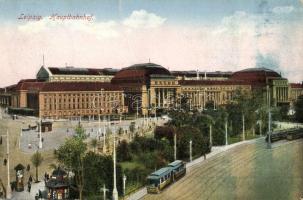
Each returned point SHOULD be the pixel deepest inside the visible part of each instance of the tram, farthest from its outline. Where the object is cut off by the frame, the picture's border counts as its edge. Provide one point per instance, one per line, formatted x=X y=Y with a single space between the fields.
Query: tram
x=163 y=177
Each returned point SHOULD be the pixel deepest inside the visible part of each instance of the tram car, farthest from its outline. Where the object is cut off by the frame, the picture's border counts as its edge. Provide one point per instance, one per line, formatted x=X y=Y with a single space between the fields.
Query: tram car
x=295 y=134
x=163 y=177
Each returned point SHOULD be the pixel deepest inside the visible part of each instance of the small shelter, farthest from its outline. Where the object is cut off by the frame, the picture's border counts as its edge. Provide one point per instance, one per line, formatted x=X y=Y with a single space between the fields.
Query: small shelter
x=58 y=185
x=19 y=177
x=46 y=126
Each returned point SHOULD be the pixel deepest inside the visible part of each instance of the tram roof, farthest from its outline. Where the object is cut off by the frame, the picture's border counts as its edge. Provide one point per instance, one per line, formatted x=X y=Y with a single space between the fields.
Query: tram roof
x=160 y=172
x=175 y=163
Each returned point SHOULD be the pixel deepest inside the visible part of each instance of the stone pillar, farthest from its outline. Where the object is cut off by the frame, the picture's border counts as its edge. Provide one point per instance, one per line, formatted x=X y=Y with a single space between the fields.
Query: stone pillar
x=23 y=99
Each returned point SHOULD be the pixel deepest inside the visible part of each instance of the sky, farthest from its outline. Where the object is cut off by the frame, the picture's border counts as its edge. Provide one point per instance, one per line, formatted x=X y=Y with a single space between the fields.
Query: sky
x=208 y=35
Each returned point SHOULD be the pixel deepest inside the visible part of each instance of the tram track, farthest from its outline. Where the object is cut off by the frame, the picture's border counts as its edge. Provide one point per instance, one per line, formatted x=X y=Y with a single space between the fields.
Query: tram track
x=206 y=178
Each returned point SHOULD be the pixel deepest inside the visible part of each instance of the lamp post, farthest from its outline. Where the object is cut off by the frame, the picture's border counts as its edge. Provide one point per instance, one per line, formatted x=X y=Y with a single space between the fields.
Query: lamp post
x=40 y=135
x=226 y=141
x=175 y=146
x=115 y=192
x=210 y=135
x=243 y=127
x=269 y=120
x=104 y=136
x=99 y=124
x=104 y=191
x=124 y=184
x=20 y=137
x=190 y=150
x=260 y=127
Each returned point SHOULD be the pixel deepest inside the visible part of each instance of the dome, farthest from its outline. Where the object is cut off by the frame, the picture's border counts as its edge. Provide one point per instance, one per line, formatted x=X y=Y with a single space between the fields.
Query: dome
x=257 y=76
x=141 y=73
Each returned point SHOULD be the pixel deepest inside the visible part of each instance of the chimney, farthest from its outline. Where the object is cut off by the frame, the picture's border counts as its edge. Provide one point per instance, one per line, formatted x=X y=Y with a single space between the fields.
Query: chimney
x=197 y=74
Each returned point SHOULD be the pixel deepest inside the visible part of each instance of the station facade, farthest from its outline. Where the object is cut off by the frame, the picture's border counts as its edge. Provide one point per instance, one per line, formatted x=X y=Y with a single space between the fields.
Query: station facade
x=141 y=88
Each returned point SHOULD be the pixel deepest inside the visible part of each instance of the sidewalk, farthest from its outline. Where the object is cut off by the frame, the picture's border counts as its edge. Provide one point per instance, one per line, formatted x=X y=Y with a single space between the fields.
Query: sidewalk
x=25 y=195
x=215 y=151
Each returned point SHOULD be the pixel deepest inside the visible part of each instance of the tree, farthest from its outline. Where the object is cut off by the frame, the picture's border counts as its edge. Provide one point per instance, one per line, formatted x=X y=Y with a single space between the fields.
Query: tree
x=184 y=135
x=37 y=160
x=120 y=131
x=283 y=112
x=132 y=128
x=94 y=143
x=98 y=171
x=71 y=155
x=123 y=152
x=299 y=109
x=80 y=132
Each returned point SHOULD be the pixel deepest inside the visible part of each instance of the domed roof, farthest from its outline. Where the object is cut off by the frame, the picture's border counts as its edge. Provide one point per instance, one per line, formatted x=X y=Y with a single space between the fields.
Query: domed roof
x=256 y=76
x=140 y=73
x=260 y=69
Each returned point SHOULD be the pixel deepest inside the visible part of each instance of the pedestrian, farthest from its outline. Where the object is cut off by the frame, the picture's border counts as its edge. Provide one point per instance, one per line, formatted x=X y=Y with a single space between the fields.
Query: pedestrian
x=42 y=139
x=29 y=186
x=30 y=179
x=0 y=140
x=4 y=161
x=28 y=167
x=45 y=177
x=40 y=194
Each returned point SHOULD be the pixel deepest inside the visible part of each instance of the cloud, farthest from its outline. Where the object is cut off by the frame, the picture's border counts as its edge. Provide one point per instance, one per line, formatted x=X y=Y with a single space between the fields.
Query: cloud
x=143 y=19
x=283 y=9
x=101 y=29
x=238 y=41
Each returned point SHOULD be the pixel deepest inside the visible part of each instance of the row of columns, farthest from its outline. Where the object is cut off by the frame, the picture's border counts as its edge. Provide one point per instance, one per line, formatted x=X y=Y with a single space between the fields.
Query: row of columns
x=282 y=93
x=4 y=101
x=163 y=96
x=199 y=98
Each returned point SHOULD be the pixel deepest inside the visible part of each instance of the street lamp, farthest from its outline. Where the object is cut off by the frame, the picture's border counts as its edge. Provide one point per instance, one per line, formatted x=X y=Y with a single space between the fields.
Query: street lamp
x=243 y=126
x=210 y=135
x=40 y=135
x=104 y=191
x=124 y=181
x=226 y=141
x=190 y=151
x=175 y=146
x=269 y=120
x=115 y=192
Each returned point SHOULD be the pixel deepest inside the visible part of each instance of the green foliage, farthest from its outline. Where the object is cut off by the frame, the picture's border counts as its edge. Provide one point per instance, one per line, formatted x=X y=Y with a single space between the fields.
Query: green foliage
x=299 y=109
x=99 y=171
x=123 y=152
x=94 y=143
x=132 y=127
x=71 y=155
x=37 y=160
x=165 y=132
x=284 y=109
x=120 y=131
x=249 y=104
x=80 y=132
x=199 y=143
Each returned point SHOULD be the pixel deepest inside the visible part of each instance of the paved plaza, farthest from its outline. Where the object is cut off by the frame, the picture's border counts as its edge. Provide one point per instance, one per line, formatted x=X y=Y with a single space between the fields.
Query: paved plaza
x=63 y=129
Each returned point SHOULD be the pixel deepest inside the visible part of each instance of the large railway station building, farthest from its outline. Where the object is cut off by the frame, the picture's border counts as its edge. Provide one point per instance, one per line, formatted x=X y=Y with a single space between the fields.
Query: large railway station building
x=140 y=88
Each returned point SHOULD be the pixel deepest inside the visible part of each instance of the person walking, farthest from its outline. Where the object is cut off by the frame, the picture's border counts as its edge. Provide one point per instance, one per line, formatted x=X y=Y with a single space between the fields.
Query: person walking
x=29 y=186
x=30 y=179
